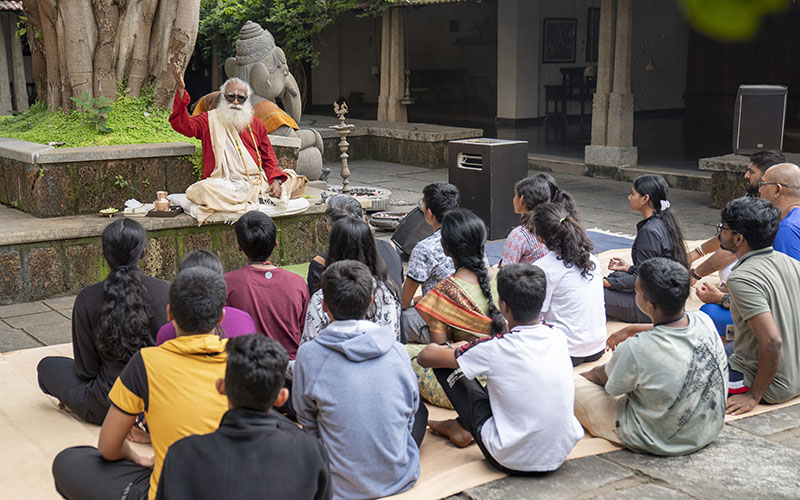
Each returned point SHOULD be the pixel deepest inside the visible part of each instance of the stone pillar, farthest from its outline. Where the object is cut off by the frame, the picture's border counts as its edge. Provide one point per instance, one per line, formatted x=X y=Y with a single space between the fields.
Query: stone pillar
x=5 y=84
x=605 y=65
x=18 y=68
x=620 y=102
x=392 y=67
x=386 y=41
x=617 y=150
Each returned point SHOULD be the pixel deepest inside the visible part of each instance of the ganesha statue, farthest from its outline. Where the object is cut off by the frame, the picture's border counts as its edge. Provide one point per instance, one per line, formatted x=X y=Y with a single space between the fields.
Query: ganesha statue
x=262 y=64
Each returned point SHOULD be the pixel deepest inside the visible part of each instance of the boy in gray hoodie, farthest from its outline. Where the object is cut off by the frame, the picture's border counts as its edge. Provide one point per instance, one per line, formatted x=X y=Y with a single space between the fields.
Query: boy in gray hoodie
x=355 y=388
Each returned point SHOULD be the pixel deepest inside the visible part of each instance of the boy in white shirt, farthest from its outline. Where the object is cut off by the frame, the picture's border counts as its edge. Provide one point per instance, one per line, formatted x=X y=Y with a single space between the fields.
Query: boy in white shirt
x=522 y=420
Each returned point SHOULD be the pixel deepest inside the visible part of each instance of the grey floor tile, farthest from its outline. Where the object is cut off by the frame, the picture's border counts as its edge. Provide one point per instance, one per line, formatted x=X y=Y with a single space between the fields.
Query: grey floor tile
x=61 y=303
x=771 y=422
x=35 y=319
x=737 y=465
x=22 y=309
x=573 y=479
x=15 y=340
x=51 y=333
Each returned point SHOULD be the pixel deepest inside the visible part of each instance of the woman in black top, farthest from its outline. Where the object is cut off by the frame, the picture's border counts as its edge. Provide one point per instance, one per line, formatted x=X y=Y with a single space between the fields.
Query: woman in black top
x=658 y=235
x=111 y=321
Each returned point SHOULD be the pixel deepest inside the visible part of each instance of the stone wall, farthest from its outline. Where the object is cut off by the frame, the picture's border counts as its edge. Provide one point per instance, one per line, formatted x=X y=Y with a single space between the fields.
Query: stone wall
x=418 y=144
x=42 y=269
x=49 y=182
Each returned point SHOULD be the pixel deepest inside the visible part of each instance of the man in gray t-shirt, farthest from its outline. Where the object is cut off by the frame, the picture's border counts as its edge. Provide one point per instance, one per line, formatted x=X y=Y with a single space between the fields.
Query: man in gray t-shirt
x=664 y=389
x=765 y=293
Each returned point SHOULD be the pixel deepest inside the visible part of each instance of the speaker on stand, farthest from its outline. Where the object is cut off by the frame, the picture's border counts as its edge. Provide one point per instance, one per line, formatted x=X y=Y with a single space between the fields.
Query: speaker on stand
x=759 y=118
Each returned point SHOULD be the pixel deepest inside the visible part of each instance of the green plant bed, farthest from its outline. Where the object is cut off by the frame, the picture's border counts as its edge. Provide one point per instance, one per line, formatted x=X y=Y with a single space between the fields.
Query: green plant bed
x=133 y=120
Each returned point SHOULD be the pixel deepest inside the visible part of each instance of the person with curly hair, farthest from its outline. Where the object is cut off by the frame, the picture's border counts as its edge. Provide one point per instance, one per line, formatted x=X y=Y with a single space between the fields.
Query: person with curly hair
x=111 y=321
x=574 y=302
x=521 y=244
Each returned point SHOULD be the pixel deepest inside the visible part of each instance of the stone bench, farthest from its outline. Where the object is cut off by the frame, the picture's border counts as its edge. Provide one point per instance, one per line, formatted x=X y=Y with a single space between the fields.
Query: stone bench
x=727 y=175
x=49 y=182
x=418 y=144
x=43 y=258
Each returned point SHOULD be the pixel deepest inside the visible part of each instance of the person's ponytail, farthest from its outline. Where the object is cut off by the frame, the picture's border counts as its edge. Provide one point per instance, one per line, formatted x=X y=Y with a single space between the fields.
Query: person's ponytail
x=125 y=315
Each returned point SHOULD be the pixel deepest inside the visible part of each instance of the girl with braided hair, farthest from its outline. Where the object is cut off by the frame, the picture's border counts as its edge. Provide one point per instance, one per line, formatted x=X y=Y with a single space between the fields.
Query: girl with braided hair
x=573 y=303
x=521 y=244
x=463 y=306
x=111 y=321
x=658 y=234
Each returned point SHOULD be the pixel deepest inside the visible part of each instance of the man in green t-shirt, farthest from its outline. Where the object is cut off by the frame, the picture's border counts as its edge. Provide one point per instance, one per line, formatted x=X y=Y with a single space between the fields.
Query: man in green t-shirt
x=765 y=290
x=664 y=389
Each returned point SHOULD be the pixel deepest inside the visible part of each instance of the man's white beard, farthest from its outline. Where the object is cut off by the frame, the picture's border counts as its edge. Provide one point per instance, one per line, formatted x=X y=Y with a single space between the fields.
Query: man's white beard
x=235 y=116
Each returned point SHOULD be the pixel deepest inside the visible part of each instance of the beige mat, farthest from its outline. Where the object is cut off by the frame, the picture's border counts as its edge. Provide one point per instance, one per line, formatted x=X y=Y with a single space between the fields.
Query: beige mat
x=33 y=431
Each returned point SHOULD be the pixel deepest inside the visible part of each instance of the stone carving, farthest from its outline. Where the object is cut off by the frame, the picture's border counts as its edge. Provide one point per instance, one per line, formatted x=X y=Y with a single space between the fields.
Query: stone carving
x=263 y=65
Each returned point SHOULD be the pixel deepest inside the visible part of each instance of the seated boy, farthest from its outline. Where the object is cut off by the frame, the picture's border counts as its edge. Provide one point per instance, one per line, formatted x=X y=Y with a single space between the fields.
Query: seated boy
x=664 y=389
x=264 y=454
x=427 y=264
x=522 y=420
x=276 y=298
x=173 y=384
x=354 y=387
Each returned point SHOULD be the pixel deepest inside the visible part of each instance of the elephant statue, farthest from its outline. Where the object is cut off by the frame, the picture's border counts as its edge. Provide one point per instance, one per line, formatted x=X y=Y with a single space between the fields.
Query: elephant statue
x=263 y=65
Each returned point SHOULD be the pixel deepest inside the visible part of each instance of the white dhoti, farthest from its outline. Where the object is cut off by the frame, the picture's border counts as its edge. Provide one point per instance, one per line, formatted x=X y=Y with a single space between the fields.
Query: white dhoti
x=236 y=182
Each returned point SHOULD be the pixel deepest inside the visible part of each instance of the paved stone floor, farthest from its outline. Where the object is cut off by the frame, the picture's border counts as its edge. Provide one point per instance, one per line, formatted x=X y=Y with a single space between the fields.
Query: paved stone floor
x=756 y=457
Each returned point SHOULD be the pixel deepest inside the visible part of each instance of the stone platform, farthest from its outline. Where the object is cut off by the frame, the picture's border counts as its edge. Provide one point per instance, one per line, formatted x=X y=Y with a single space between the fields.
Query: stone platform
x=417 y=144
x=727 y=175
x=42 y=258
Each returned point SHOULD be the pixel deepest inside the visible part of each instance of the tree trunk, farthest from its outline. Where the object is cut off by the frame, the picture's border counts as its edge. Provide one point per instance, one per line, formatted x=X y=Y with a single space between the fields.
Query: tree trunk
x=91 y=45
x=34 y=27
x=18 y=68
x=181 y=46
x=5 y=83
x=126 y=36
x=77 y=33
x=160 y=33
x=106 y=14
x=141 y=48
x=47 y=11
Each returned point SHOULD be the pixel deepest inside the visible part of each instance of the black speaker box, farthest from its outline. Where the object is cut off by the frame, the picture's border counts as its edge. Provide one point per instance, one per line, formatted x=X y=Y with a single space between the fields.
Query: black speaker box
x=759 y=118
x=411 y=230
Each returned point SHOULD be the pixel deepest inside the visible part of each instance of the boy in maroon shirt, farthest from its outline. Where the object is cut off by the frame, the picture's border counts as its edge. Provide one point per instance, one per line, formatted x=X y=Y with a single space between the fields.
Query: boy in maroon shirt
x=276 y=298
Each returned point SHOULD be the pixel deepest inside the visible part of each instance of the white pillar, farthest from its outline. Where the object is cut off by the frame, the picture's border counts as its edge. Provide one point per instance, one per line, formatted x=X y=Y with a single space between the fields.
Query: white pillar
x=5 y=84
x=18 y=68
x=605 y=65
x=518 y=59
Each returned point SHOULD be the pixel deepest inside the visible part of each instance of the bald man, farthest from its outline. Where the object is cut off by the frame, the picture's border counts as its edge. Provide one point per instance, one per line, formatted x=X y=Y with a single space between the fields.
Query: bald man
x=780 y=185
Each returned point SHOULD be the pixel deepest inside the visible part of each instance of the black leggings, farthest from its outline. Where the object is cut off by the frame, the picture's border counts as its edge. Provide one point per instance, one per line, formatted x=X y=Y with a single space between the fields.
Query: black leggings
x=471 y=401
x=577 y=360
x=57 y=378
x=81 y=473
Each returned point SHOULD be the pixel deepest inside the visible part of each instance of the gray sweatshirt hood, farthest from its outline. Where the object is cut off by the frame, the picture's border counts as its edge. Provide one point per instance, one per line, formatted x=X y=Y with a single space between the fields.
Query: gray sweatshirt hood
x=358 y=340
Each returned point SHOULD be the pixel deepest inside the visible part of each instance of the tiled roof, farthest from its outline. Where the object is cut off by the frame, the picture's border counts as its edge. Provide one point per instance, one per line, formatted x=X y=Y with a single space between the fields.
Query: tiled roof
x=11 y=5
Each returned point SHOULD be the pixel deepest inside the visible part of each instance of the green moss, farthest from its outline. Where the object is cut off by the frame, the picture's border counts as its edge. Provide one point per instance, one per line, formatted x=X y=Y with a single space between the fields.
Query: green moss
x=133 y=121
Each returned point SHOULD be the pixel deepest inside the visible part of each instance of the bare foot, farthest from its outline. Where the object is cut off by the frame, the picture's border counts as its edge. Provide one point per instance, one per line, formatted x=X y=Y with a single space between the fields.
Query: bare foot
x=459 y=436
x=137 y=435
x=62 y=406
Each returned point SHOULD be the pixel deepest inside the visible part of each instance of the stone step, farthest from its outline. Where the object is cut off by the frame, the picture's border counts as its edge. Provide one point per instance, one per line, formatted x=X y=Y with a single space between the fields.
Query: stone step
x=678 y=178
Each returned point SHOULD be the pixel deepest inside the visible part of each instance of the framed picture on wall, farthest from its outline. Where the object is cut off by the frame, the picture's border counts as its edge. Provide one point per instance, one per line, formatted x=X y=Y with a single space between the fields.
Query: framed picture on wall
x=592 y=33
x=559 y=40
